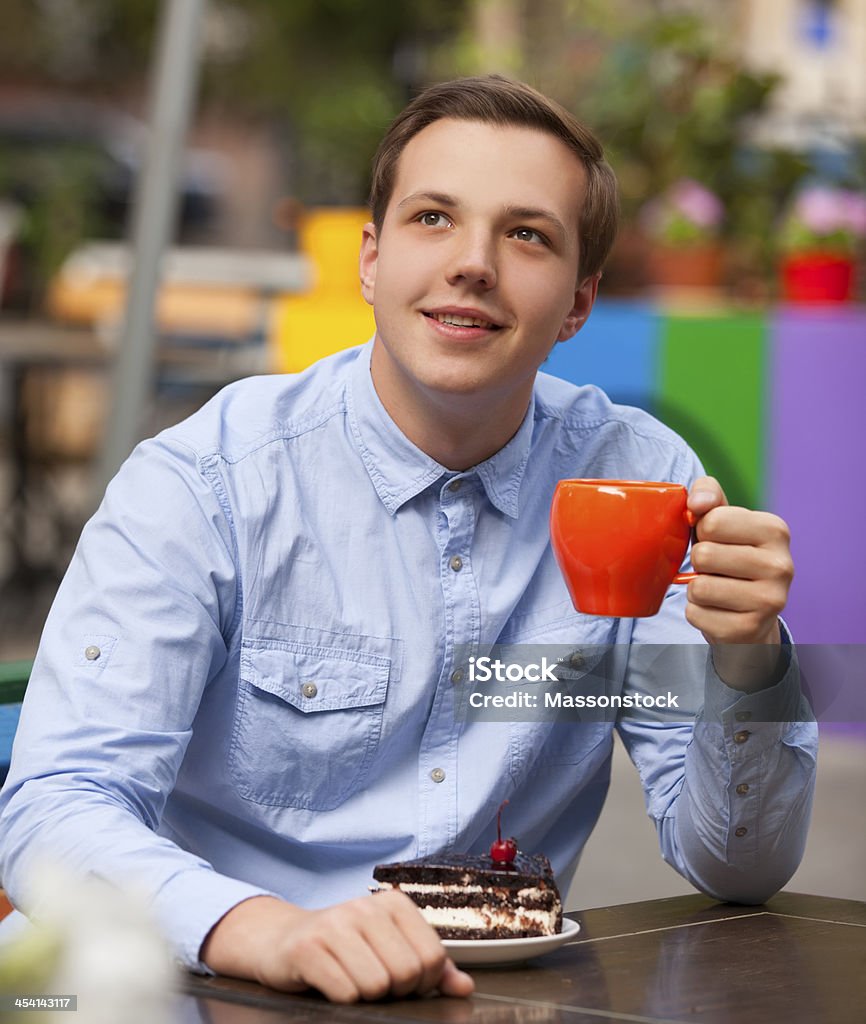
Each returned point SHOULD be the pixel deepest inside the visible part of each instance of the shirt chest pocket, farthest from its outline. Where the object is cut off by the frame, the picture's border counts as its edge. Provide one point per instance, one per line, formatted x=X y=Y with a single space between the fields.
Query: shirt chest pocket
x=584 y=647
x=307 y=723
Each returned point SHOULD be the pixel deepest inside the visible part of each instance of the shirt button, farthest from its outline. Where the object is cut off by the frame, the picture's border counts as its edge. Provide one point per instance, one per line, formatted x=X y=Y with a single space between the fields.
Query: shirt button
x=309 y=689
x=92 y=652
x=457 y=675
x=743 y=716
x=456 y=563
x=742 y=736
x=741 y=831
x=576 y=659
x=743 y=788
x=437 y=775
x=455 y=485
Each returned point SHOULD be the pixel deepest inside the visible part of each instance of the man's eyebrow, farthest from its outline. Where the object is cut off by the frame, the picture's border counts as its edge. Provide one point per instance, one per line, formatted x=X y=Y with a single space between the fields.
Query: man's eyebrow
x=439 y=198
x=537 y=213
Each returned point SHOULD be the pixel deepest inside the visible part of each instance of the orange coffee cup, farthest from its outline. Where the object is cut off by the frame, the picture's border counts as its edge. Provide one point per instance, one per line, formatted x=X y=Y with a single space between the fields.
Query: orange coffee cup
x=620 y=543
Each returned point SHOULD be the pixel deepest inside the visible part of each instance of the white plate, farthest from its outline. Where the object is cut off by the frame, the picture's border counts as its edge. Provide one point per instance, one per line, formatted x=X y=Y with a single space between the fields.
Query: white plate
x=487 y=952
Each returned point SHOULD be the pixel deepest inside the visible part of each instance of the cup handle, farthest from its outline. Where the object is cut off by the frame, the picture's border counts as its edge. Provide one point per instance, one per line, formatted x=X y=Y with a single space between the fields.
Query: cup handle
x=685 y=577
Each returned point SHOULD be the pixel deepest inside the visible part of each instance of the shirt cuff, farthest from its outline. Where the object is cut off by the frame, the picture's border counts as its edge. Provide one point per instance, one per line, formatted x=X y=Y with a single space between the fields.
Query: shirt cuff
x=781 y=704
x=191 y=904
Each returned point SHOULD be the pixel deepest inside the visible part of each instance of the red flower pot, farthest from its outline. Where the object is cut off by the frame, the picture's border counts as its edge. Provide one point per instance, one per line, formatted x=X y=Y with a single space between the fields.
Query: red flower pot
x=818 y=277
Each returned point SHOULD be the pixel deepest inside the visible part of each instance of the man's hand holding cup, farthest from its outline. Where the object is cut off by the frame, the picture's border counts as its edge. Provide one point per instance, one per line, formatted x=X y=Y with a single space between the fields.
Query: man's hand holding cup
x=744 y=571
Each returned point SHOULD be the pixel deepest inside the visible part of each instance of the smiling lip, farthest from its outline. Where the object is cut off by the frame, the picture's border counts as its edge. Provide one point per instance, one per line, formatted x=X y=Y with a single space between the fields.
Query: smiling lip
x=464 y=318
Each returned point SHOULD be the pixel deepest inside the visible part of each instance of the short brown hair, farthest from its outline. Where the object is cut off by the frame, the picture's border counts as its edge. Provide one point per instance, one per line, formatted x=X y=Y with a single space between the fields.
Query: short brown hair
x=494 y=99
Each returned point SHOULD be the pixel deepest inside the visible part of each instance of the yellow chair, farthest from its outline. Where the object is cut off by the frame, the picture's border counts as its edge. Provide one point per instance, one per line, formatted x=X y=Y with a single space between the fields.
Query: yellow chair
x=332 y=315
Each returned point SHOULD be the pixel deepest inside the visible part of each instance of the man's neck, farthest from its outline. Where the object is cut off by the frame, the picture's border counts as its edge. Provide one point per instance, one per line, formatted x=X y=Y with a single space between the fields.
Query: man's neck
x=458 y=431
x=458 y=449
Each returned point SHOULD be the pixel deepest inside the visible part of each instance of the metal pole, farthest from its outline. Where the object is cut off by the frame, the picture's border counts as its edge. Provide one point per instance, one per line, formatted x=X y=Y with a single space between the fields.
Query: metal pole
x=154 y=216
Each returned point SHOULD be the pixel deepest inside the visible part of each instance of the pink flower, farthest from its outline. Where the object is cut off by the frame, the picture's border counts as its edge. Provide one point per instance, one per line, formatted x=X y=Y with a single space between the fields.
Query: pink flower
x=818 y=209
x=685 y=214
x=853 y=210
x=698 y=204
x=826 y=210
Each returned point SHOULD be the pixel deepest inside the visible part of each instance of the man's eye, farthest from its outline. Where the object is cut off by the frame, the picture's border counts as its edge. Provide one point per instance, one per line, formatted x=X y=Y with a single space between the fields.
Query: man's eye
x=433 y=220
x=528 y=235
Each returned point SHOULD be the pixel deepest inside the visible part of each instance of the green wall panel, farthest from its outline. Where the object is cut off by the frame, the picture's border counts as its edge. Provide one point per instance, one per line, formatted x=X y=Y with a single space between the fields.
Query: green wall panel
x=712 y=391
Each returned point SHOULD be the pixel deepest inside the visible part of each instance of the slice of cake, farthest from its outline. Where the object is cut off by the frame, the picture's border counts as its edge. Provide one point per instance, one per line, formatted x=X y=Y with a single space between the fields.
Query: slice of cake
x=478 y=897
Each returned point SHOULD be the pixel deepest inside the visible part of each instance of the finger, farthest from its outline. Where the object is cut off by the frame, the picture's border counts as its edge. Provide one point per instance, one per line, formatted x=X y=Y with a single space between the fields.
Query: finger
x=727 y=594
x=407 y=969
x=397 y=932
x=417 y=933
x=721 y=626
x=368 y=973
x=705 y=493
x=742 y=561
x=734 y=525
x=455 y=982
x=322 y=970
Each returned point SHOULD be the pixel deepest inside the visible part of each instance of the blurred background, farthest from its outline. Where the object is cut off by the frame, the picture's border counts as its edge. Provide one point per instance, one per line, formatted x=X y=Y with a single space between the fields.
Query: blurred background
x=732 y=306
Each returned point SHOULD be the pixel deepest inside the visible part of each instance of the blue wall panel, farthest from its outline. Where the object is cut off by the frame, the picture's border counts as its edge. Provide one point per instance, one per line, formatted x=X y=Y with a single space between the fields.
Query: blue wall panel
x=617 y=350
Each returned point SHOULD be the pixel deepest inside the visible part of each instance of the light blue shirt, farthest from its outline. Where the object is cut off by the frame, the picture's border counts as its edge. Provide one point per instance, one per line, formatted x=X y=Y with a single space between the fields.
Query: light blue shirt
x=247 y=681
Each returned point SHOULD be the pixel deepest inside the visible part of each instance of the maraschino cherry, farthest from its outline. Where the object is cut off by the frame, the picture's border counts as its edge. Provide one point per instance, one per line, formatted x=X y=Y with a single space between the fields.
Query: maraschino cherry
x=502 y=850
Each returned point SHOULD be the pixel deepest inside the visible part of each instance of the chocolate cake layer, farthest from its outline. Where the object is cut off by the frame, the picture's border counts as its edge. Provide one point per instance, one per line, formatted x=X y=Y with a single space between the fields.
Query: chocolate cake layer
x=494 y=898
x=463 y=869
x=493 y=932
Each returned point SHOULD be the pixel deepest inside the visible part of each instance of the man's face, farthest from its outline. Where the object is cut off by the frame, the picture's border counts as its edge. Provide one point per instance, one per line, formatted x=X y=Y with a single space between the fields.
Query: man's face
x=473 y=276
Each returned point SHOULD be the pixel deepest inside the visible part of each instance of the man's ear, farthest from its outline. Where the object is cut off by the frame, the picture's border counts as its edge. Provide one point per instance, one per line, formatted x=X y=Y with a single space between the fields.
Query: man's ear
x=367 y=261
x=584 y=298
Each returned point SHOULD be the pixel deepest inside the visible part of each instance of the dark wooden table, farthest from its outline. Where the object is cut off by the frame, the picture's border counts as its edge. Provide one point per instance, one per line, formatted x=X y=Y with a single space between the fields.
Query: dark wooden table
x=687 y=959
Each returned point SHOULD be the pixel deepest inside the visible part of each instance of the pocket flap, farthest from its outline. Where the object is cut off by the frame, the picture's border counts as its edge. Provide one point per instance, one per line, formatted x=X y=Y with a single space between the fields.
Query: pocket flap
x=317 y=679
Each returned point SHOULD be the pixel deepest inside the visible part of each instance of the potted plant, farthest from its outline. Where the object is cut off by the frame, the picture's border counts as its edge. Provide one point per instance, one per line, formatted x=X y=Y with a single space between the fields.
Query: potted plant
x=819 y=238
x=684 y=224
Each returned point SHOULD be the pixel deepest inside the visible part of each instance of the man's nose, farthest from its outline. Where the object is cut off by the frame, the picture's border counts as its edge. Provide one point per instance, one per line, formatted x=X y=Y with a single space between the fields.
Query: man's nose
x=473 y=260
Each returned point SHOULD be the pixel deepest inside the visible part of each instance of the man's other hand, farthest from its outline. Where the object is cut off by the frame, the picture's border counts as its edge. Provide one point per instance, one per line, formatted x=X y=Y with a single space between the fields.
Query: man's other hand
x=365 y=949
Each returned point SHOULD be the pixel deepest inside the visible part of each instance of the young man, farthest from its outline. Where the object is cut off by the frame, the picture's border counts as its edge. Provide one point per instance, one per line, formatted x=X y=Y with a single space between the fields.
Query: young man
x=245 y=695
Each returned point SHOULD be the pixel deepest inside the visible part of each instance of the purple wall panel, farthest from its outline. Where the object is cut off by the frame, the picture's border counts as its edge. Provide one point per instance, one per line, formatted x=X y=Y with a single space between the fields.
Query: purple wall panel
x=817 y=466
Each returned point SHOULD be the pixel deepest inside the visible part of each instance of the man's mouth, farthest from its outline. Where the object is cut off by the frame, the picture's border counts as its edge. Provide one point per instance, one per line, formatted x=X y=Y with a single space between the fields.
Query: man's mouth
x=463 y=321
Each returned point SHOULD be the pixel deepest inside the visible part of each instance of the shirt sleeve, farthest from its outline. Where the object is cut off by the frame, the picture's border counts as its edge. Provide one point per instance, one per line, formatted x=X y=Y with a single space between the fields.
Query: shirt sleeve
x=135 y=634
x=729 y=777
x=730 y=791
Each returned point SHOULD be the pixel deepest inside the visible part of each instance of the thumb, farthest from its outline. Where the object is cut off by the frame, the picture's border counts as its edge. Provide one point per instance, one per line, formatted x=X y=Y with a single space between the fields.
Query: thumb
x=706 y=493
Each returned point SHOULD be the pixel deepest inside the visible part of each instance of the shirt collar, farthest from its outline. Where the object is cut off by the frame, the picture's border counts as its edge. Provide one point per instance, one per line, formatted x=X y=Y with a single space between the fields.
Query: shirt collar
x=399 y=470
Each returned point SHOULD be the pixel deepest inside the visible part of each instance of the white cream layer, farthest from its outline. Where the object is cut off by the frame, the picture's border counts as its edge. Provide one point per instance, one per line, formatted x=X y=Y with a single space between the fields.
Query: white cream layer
x=483 y=918
x=514 y=918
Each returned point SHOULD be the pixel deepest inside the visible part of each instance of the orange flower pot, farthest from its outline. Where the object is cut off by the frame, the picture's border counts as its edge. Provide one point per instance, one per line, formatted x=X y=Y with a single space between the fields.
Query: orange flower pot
x=687 y=266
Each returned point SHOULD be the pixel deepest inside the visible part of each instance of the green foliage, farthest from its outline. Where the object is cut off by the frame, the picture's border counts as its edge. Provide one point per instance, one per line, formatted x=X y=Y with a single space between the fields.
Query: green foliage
x=85 y=42
x=58 y=192
x=682 y=231
x=334 y=73
x=330 y=73
x=669 y=103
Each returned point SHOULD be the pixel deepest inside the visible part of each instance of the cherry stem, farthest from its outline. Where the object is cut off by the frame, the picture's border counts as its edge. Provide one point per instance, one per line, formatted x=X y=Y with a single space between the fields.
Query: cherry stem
x=499 y=822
